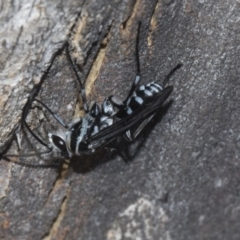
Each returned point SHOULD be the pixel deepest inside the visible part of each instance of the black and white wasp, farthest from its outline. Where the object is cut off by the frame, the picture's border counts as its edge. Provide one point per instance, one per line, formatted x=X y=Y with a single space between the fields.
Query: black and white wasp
x=103 y=123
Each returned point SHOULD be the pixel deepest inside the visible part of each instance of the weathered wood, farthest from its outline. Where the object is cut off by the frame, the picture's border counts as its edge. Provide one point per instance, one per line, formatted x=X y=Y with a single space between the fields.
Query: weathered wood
x=183 y=182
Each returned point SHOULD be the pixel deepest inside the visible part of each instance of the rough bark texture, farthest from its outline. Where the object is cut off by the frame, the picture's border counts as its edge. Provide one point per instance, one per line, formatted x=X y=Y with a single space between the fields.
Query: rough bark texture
x=183 y=181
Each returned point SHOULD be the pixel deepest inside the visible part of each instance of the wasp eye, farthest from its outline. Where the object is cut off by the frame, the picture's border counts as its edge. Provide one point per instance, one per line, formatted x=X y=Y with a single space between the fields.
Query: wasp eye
x=59 y=143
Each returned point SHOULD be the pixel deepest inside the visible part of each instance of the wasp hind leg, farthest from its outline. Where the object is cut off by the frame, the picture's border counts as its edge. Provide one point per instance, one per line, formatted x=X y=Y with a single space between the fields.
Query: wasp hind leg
x=137 y=79
x=130 y=135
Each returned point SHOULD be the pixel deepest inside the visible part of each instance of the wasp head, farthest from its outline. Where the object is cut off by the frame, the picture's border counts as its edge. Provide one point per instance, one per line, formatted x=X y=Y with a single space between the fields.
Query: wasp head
x=58 y=144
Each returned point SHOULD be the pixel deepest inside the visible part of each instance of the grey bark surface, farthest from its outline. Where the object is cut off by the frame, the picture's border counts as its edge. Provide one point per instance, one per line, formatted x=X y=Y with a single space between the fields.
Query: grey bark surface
x=183 y=181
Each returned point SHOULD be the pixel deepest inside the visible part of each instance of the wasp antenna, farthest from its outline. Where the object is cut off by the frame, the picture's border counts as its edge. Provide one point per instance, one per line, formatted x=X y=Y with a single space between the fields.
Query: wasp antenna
x=32 y=165
x=8 y=157
x=24 y=115
x=137 y=48
x=35 y=136
x=27 y=155
x=59 y=120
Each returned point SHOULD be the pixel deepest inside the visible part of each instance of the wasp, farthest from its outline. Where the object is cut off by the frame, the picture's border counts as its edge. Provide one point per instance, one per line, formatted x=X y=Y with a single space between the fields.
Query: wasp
x=104 y=123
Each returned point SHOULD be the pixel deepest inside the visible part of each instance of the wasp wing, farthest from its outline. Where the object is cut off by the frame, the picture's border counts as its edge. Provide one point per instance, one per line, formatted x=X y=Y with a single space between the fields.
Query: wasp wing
x=148 y=108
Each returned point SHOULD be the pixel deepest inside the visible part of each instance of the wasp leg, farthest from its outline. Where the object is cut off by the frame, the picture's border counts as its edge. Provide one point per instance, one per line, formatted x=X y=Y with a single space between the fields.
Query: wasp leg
x=138 y=74
x=82 y=90
x=111 y=150
x=19 y=137
x=171 y=73
x=129 y=136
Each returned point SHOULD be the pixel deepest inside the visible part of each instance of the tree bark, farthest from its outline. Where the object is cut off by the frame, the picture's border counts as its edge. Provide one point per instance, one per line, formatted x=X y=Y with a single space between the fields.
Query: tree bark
x=183 y=178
